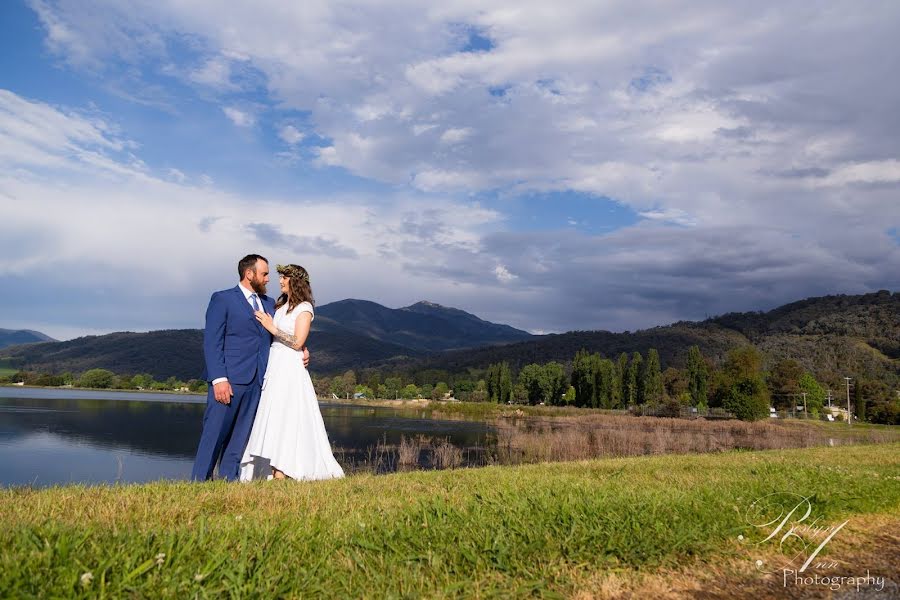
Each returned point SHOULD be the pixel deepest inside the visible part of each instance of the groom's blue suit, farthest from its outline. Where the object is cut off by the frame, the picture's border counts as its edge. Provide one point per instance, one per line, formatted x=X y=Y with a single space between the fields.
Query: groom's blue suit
x=235 y=346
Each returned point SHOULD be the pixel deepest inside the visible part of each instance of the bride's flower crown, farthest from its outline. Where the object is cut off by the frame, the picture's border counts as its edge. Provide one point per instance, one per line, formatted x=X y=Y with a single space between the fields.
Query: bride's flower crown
x=293 y=271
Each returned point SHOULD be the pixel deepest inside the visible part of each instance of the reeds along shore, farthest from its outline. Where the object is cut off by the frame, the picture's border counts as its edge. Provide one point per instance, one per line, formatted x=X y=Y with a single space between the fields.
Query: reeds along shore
x=529 y=439
x=603 y=436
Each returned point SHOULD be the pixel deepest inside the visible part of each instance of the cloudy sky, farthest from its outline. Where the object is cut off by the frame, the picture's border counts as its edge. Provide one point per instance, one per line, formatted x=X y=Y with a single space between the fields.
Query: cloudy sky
x=554 y=166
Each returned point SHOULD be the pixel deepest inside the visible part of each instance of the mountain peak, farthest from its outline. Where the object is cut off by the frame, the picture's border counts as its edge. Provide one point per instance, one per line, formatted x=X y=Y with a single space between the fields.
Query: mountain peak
x=424 y=326
x=426 y=303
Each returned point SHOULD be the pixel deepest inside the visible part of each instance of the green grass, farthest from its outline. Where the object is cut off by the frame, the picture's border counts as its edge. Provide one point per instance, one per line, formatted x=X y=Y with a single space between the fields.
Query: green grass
x=498 y=531
x=6 y=368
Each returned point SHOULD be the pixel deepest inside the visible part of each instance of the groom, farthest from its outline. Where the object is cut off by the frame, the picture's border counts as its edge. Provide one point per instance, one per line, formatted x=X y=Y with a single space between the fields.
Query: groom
x=236 y=351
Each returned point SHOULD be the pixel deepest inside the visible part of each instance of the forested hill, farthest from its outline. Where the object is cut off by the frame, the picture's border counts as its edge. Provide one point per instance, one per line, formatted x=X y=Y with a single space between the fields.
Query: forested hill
x=346 y=334
x=176 y=352
x=829 y=335
x=423 y=327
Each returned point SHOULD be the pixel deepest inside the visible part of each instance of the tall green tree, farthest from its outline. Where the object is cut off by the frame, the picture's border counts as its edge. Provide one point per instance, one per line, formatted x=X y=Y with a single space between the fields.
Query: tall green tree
x=604 y=383
x=506 y=386
x=622 y=379
x=745 y=393
x=698 y=377
x=392 y=387
x=492 y=379
x=97 y=378
x=499 y=382
x=784 y=382
x=635 y=373
x=815 y=393
x=555 y=384
x=439 y=390
x=531 y=377
x=583 y=378
x=653 y=391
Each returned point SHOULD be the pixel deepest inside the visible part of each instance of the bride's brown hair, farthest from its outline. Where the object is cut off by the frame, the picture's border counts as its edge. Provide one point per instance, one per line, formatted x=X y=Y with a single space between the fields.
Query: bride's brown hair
x=298 y=284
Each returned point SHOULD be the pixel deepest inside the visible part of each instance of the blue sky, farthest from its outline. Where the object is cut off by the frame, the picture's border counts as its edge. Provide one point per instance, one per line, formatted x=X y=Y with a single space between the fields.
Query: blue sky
x=606 y=167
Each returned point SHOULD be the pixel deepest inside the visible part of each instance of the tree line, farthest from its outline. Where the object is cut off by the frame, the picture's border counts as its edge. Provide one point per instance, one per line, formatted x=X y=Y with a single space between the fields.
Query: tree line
x=105 y=379
x=740 y=385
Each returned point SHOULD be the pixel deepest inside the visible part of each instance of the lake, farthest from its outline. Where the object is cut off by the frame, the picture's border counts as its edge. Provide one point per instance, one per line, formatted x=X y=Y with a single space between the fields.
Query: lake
x=58 y=436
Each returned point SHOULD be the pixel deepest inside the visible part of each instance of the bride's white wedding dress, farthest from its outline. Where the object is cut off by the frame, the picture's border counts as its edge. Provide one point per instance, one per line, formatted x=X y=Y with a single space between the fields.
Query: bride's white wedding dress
x=288 y=432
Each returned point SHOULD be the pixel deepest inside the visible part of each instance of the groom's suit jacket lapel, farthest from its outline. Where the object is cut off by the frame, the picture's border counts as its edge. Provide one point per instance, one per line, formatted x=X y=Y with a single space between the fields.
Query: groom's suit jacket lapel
x=263 y=303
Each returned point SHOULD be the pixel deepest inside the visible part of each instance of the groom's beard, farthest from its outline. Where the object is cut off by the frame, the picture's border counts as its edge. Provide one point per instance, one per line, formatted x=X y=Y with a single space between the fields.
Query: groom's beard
x=258 y=286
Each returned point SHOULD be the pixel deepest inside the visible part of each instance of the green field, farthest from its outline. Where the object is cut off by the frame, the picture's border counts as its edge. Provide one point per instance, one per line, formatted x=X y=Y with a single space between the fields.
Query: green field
x=6 y=369
x=546 y=530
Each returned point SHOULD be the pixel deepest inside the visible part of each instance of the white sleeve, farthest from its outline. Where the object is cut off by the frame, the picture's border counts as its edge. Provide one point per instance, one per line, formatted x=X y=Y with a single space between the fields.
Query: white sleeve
x=306 y=307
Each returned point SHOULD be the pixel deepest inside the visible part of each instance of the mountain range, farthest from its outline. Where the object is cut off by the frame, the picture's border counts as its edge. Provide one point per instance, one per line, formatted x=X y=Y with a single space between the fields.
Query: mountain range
x=345 y=334
x=831 y=336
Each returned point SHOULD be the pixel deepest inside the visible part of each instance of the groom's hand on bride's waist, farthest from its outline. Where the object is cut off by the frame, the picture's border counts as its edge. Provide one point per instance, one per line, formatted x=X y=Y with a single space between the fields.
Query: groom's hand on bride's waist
x=305 y=356
x=223 y=392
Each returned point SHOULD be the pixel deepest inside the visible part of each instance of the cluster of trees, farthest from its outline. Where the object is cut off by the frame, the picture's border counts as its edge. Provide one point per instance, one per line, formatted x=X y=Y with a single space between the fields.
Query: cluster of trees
x=104 y=379
x=371 y=385
x=740 y=384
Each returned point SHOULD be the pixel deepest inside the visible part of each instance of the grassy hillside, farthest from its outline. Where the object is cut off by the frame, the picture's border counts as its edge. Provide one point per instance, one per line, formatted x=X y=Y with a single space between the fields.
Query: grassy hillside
x=545 y=530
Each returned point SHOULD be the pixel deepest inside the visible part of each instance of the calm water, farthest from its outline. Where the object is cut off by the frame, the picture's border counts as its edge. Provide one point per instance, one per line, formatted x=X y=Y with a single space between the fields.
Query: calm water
x=50 y=436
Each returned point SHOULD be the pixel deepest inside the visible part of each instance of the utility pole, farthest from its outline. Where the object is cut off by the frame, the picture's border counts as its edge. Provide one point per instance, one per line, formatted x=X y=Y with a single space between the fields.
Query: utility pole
x=805 y=414
x=829 y=397
x=848 y=400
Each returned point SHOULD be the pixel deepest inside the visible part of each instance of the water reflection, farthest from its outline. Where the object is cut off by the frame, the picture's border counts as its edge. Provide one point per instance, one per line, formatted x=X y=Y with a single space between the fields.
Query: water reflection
x=52 y=437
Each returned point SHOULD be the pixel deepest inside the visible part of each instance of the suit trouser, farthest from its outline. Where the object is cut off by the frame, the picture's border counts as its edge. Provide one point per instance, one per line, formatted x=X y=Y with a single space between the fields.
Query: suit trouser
x=226 y=430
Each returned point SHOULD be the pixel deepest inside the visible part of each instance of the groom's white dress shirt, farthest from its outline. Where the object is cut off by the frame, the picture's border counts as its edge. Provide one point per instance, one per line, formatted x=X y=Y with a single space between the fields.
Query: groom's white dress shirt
x=247 y=294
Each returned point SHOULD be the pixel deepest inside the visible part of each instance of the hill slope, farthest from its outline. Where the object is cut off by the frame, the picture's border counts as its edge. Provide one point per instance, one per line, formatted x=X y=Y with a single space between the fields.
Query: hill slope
x=11 y=337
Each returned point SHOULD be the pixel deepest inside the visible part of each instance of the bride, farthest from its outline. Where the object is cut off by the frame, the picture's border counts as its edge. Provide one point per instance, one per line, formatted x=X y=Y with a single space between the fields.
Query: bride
x=288 y=438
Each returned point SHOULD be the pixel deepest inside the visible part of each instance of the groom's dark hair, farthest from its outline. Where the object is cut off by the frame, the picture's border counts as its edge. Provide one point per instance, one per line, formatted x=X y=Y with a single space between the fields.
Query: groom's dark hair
x=249 y=262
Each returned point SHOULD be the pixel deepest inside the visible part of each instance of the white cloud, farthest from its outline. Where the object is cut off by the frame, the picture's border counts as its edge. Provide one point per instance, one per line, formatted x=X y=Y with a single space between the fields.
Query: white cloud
x=145 y=250
x=290 y=135
x=456 y=135
x=215 y=72
x=240 y=118
x=748 y=125
x=884 y=171
x=503 y=274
